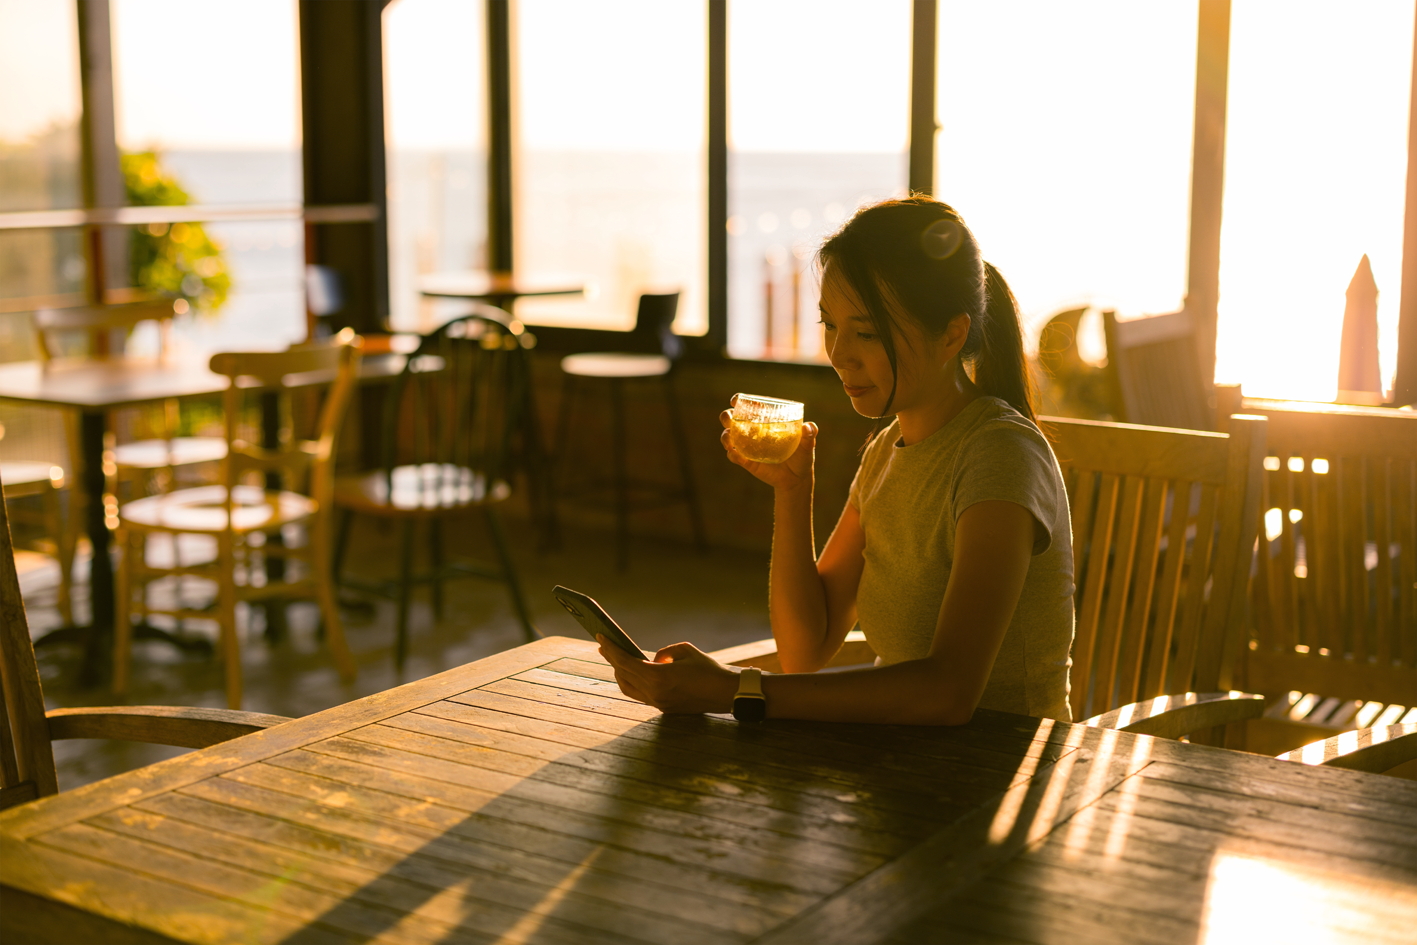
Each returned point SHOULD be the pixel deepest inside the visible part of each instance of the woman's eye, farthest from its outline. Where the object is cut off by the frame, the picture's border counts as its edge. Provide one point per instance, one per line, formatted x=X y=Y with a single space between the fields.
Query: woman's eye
x=826 y=325
x=866 y=336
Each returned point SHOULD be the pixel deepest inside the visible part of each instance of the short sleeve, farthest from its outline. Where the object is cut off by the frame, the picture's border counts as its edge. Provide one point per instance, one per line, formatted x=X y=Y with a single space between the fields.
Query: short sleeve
x=1009 y=460
x=873 y=460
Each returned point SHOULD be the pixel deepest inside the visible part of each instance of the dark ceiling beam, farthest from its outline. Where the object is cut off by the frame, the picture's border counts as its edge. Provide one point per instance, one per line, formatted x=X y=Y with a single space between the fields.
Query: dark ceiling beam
x=1208 y=178
x=1404 y=388
x=923 y=123
x=342 y=119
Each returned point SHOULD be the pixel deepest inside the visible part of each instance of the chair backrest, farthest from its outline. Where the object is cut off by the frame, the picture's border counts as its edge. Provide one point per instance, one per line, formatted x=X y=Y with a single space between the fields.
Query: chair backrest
x=654 y=325
x=461 y=402
x=1335 y=593
x=272 y=375
x=1157 y=370
x=26 y=759
x=97 y=322
x=1163 y=537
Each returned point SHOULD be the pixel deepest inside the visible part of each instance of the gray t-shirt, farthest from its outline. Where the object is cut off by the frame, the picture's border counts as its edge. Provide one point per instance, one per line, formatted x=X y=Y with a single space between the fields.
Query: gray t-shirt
x=910 y=498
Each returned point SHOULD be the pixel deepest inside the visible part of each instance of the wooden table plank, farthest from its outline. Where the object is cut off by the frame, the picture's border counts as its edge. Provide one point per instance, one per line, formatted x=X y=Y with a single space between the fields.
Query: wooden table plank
x=29 y=819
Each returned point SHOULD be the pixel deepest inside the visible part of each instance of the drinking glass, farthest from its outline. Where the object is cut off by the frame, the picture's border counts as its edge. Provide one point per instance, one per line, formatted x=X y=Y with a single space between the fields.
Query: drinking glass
x=765 y=429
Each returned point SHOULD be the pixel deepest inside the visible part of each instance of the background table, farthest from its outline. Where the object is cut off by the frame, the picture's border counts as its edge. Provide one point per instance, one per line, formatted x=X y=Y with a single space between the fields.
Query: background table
x=93 y=388
x=497 y=288
x=521 y=798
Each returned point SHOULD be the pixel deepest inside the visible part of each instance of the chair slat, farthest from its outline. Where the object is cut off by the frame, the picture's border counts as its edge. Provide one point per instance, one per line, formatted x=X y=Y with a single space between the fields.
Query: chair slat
x=1169 y=587
x=1098 y=550
x=1282 y=580
x=1380 y=495
x=29 y=755
x=1187 y=633
x=1404 y=517
x=1353 y=637
x=1134 y=633
x=1119 y=582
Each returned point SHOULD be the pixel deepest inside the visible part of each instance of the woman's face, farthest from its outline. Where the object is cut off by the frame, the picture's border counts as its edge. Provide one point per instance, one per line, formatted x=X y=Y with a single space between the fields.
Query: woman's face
x=859 y=357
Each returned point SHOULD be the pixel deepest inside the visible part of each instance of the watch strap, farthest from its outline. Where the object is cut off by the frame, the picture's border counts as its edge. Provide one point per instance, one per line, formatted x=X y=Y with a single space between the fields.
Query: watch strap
x=750 y=704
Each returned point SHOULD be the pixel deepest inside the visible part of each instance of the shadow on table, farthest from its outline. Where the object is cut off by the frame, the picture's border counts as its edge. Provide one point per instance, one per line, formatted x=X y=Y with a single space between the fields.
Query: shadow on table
x=546 y=807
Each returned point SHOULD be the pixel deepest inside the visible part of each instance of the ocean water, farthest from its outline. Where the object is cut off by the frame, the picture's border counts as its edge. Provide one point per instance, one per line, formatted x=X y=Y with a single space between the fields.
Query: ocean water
x=622 y=223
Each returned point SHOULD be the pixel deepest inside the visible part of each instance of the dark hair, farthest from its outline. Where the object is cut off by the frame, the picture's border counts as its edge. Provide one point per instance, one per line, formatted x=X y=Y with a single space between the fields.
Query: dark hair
x=917 y=255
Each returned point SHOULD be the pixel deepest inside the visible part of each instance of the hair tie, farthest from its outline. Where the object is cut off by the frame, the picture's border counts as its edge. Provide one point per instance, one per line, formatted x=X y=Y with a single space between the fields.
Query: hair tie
x=941 y=239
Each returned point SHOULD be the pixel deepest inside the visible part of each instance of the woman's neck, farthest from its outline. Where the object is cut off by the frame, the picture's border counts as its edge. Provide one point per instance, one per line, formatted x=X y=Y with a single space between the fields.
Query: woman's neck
x=943 y=405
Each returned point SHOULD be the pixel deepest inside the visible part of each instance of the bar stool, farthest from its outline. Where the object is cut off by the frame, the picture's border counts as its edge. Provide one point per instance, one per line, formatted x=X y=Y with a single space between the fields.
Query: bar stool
x=659 y=350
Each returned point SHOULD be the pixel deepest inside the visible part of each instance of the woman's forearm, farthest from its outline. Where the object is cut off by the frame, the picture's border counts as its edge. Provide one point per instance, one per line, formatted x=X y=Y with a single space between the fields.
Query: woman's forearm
x=796 y=598
x=917 y=692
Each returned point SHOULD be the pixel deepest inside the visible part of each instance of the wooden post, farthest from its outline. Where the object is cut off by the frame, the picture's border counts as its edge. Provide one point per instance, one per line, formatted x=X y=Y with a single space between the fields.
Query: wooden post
x=1404 y=388
x=923 y=123
x=342 y=119
x=1208 y=178
x=105 y=248
x=717 y=338
x=500 y=244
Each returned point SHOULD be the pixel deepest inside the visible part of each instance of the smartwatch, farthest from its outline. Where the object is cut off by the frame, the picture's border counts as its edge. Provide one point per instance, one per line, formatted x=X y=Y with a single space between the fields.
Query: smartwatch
x=750 y=705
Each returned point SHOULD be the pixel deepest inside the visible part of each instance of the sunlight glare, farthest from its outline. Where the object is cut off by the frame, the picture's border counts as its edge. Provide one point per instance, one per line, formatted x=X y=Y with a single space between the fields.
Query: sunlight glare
x=1253 y=899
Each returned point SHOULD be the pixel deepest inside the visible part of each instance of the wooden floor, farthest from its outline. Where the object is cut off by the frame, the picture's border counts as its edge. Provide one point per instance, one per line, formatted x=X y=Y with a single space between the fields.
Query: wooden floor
x=670 y=593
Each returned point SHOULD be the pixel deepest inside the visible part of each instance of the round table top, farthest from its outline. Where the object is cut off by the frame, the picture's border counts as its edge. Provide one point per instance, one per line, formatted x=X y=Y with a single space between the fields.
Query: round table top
x=615 y=364
x=496 y=285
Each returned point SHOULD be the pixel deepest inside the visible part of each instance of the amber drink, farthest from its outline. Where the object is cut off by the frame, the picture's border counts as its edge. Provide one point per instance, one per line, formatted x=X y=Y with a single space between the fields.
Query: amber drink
x=765 y=429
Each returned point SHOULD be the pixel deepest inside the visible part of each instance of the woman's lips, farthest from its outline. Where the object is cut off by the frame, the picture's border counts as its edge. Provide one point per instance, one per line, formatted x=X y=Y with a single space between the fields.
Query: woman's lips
x=854 y=391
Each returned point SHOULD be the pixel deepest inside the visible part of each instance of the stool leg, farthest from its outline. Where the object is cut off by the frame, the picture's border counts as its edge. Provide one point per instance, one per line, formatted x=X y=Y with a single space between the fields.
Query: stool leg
x=405 y=592
x=563 y=434
x=435 y=555
x=686 y=469
x=509 y=573
x=622 y=496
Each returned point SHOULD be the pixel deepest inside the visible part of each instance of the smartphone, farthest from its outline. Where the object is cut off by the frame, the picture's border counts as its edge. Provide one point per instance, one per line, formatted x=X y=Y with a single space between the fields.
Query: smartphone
x=593 y=618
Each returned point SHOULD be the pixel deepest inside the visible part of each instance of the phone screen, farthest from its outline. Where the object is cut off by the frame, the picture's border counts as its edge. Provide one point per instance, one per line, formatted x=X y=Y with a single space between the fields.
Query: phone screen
x=593 y=618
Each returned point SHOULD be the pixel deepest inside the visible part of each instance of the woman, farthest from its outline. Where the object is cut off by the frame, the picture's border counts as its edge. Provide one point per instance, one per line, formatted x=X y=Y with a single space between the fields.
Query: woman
x=954 y=550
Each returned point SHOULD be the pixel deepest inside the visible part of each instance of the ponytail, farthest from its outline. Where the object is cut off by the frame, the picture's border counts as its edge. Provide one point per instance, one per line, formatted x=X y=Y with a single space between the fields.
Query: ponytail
x=1000 y=369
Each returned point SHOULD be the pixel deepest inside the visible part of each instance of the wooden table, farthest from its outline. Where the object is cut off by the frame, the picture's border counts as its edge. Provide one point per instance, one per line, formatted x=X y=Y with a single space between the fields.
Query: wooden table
x=93 y=388
x=497 y=288
x=521 y=798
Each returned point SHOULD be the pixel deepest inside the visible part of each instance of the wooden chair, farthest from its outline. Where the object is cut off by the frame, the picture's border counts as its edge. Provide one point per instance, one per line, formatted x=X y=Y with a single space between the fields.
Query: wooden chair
x=451 y=424
x=26 y=730
x=1157 y=371
x=1375 y=750
x=1162 y=543
x=238 y=510
x=98 y=323
x=1334 y=601
x=24 y=479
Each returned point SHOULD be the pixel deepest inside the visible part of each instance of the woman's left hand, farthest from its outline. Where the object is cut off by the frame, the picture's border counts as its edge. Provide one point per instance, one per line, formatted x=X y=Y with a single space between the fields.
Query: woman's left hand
x=681 y=679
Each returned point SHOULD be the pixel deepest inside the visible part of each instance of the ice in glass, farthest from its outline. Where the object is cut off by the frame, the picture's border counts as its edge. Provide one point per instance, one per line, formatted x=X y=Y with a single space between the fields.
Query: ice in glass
x=765 y=429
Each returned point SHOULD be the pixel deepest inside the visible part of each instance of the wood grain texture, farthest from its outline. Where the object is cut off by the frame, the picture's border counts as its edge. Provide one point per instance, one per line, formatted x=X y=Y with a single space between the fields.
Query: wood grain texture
x=524 y=799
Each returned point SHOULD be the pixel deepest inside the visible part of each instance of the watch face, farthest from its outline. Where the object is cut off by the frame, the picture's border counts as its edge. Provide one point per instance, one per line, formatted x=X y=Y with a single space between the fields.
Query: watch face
x=749 y=709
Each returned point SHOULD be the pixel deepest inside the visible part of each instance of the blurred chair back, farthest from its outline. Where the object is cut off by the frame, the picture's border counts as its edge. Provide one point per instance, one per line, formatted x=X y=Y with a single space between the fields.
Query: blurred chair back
x=1163 y=535
x=98 y=323
x=654 y=325
x=1157 y=370
x=1335 y=595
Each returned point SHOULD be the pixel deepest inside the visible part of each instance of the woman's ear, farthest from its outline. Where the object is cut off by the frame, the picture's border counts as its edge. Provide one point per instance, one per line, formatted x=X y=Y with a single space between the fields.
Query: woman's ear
x=956 y=334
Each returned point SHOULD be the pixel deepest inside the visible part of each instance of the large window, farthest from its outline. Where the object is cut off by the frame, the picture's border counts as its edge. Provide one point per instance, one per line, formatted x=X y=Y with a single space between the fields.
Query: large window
x=610 y=177
x=212 y=90
x=434 y=92
x=818 y=123
x=1316 y=154
x=1065 y=143
x=39 y=160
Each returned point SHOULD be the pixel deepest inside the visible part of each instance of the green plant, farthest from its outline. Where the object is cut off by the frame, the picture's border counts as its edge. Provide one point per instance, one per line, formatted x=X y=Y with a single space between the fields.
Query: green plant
x=180 y=260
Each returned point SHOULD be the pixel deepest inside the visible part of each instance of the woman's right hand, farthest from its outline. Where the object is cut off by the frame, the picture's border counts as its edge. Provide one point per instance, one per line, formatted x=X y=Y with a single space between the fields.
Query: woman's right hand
x=794 y=474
